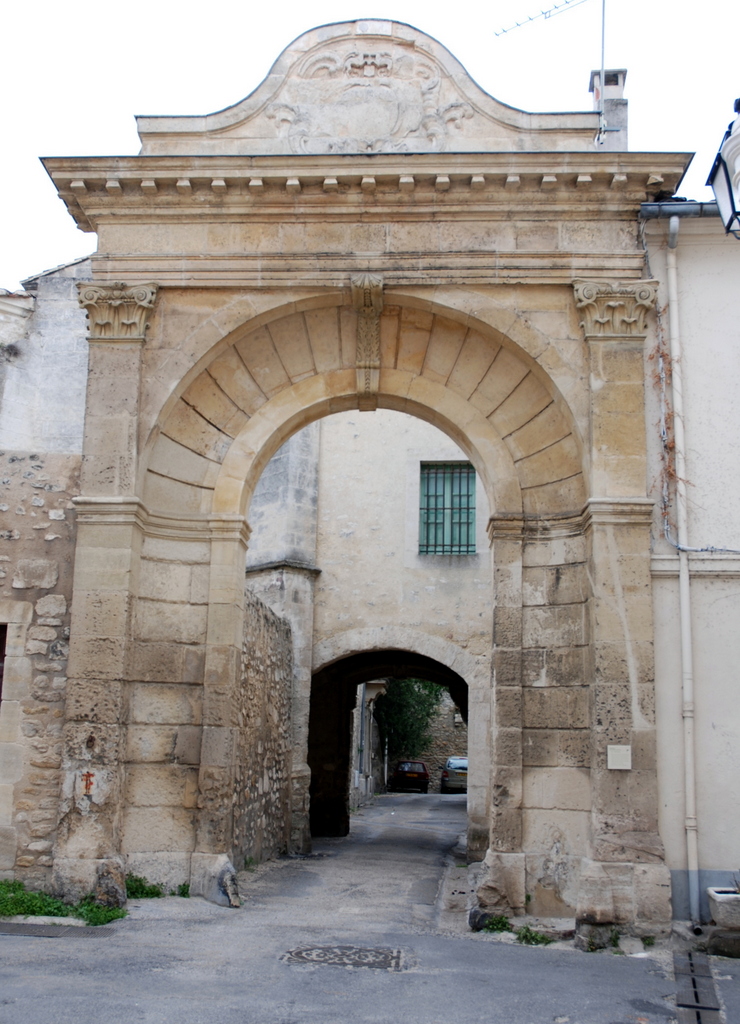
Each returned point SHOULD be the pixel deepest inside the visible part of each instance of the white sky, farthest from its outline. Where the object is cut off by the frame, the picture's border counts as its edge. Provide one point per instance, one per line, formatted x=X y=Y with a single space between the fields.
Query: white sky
x=72 y=79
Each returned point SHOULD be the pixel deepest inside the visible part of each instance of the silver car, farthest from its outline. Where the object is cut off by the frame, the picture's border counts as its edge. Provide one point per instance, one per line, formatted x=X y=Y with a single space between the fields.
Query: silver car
x=455 y=775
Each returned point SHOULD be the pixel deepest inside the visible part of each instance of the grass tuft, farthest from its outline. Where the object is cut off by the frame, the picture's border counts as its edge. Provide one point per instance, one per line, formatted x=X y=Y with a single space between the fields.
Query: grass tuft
x=497 y=923
x=529 y=937
x=138 y=888
x=14 y=899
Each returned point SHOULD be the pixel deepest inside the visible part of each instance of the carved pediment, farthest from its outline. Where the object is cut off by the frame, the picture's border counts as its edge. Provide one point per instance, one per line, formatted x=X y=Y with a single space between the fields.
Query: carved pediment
x=373 y=99
x=366 y=87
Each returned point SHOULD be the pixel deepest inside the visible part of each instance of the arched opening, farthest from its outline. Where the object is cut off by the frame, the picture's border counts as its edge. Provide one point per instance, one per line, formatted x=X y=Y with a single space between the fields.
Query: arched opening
x=333 y=696
x=217 y=428
x=383 y=570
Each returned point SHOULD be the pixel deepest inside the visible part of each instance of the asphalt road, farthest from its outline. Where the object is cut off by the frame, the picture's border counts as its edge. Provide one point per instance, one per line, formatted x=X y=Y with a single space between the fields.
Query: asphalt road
x=368 y=902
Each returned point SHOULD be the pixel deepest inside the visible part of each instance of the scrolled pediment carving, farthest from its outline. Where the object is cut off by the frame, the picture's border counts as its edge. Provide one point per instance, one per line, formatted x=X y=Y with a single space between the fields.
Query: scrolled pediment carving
x=373 y=99
x=117 y=311
x=614 y=310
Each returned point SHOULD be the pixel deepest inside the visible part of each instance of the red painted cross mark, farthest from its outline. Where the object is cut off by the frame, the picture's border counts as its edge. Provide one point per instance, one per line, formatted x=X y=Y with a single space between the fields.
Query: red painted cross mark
x=87 y=780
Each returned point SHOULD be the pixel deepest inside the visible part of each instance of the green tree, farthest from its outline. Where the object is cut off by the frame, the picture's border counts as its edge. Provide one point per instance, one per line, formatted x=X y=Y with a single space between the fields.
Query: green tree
x=404 y=713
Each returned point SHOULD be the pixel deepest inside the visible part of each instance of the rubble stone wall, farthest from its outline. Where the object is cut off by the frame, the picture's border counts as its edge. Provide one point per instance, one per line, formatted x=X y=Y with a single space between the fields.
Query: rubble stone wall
x=263 y=763
x=37 y=527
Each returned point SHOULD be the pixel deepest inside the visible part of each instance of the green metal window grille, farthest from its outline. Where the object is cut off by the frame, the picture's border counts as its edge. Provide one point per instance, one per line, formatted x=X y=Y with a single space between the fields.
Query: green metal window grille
x=447 y=509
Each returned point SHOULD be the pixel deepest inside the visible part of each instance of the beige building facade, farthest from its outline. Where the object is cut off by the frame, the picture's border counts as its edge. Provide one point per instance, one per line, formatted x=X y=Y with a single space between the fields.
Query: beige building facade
x=367 y=234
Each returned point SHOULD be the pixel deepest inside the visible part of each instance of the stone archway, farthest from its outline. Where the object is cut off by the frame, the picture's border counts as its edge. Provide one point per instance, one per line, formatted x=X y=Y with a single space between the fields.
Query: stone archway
x=185 y=541
x=468 y=379
x=332 y=701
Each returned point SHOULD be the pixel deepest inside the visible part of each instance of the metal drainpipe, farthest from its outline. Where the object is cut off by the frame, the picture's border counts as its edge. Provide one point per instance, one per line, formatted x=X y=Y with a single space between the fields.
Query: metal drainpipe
x=684 y=579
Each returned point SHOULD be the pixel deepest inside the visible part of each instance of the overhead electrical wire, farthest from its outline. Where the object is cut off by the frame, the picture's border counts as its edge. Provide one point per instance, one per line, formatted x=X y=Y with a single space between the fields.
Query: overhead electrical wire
x=560 y=8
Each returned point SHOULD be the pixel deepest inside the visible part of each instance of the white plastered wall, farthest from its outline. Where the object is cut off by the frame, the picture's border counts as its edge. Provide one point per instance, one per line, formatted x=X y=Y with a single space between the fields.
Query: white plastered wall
x=708 y=265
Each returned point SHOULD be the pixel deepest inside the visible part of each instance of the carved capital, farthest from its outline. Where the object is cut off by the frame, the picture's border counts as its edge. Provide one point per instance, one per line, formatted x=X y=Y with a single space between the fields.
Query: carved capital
x=367 y=298
x=613 y=312
x=117 y=312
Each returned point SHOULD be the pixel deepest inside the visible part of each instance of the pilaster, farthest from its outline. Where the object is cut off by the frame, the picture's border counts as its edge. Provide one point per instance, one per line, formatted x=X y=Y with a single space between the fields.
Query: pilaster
x=118 y=316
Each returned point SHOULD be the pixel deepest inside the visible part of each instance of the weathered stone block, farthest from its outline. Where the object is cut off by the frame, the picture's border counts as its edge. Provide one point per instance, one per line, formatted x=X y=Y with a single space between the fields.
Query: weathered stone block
x=97 y=657
x=724 y=943
x=95 y=700
x=213 y=877
x=554 y=626
x=534 y=586
x=165 y=581
x=574 y=748
x=508 y=714
x=652 y=893
x=540 y=747
x=151 y=829
x=6 y=804
x=555 y=551
x=35 y=574
x=165 y=621
x=10 y=721
x=92 y=742
x=217 y=746
x=168 y=869
x=110 y=884
x=193 y=664
x=102 y=613
x=161 y=703
x=507 y=666
x=508 y=746
x=8 y=848
x=533 y=666
x=613 y=711
x=157 y=785
x=557 y=788
x=543 y=827
x=507 y=627
x=11 y=762
x=46 y=633
x=157 y=662
x=53 y=606
x=595 y=899
x=506 y=829
x=569 y=666
x=561 y=707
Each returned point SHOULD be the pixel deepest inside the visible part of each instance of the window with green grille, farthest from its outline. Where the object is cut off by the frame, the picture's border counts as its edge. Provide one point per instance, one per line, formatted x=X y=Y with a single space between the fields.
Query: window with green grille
x=447 y=509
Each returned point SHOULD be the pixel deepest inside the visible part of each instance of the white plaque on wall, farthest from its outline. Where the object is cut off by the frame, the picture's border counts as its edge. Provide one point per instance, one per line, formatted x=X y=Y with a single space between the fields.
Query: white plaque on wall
x=619 y=757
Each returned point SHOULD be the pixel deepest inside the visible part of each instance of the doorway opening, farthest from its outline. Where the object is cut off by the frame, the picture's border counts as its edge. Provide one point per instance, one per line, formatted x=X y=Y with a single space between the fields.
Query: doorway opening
x=333 y=701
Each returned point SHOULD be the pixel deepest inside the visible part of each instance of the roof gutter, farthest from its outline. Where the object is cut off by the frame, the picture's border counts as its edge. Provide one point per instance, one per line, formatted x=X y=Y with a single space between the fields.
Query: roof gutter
x=688 y=208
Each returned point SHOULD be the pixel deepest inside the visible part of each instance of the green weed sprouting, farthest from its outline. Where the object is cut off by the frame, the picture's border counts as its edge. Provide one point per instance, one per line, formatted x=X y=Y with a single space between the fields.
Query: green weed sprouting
x=497 y=923
x=15 y=900
x=529 y=937
x=138 y=888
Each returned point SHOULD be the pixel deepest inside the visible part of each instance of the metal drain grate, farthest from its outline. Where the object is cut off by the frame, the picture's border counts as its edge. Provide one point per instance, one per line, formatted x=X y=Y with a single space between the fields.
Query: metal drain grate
x=379 y=957
x=696 y=999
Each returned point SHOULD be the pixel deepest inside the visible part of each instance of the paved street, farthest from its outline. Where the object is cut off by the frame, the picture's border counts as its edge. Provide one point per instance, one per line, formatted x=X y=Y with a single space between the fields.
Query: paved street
x=176 y=961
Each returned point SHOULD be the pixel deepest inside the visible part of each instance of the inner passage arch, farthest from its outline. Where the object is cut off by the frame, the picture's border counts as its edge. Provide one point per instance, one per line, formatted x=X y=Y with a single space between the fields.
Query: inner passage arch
x=333 y=697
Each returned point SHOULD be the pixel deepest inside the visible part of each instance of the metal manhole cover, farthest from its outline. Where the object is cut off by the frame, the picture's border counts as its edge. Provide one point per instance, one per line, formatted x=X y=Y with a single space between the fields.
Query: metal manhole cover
x=346 y=956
